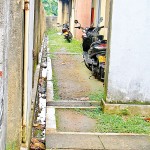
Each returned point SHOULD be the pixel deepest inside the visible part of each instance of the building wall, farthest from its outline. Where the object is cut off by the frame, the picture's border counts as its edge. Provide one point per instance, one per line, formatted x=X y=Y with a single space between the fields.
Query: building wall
x=105 y=11
x=83 y=15
x=39 y=29
x=51 y=22
x=72 y=16
x=11 y=67
x=96 y=4
x=59 y=19
x=15 y=72
x=128 y=71
x=63 y=11
x=3 y=73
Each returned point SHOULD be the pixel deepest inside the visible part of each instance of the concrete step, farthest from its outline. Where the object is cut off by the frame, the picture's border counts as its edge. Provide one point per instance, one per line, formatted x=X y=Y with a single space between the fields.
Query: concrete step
x=73 y=104
x=66 y=140
x=66 y=53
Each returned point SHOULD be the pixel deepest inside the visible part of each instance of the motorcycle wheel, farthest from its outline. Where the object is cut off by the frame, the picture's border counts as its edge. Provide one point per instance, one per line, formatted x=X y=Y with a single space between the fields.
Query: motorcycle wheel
x=69 y=40
x=102 y=74
x=89 y=67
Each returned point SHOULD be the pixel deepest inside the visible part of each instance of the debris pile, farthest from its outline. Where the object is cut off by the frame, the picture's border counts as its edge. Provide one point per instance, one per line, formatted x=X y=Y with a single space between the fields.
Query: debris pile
x=39 y=122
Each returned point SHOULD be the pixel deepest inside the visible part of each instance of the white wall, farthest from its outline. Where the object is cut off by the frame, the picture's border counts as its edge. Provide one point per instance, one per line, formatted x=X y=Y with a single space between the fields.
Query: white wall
x=129 y=69
x=30 y=55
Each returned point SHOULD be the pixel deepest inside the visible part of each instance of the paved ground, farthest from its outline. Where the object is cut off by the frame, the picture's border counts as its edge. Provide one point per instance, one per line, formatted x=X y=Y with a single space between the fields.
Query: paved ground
x=73 y=77
x=98 y=141
x=73 y=129
x=72 y=121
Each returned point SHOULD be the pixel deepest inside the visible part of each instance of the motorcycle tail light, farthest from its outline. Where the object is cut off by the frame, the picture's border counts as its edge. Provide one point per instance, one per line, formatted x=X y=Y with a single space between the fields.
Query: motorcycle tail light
x=64 y=30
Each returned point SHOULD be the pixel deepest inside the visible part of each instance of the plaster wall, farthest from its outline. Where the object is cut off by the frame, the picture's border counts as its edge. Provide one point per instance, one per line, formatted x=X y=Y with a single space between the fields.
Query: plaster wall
x=129 y=52
x=51 y=22
x=105 y=11
x=96 y=4
x=15 y=72
x=39 y=29
x=72 y=16
x=59 y=19
x=83 y=15
x=3 y=74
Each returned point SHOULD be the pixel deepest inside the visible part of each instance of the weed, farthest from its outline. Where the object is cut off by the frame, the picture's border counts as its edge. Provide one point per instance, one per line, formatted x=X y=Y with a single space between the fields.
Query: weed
x=124 y=112
x=12 y=146
x=117 y=123
x=55 y=87
x=96 y=96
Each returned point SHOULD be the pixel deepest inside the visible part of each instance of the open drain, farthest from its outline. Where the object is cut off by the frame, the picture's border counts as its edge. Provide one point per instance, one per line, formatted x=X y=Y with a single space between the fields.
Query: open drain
x=39 y=121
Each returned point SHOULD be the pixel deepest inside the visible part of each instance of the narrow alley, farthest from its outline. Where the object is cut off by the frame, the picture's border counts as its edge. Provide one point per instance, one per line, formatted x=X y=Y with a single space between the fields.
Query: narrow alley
x=73 y=103
x=74 y=75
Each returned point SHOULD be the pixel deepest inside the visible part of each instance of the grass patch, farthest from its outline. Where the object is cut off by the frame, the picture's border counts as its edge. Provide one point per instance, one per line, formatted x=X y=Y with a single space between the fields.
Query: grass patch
x=55 y=87
x=12 y=146
x=96 y=96
x=57 y=43
x=117 y=123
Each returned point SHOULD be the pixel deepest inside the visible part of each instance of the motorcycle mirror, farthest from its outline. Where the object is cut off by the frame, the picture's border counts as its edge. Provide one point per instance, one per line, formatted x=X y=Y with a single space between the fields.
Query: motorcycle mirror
x=101 y=19
x=75 y=21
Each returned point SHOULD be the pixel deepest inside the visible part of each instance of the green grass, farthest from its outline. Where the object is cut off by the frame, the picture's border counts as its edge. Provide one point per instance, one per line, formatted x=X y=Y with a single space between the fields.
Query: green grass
x=96 y=96
x=117 y=123
x=12 y=146
x=57 y=43
x=55 y=87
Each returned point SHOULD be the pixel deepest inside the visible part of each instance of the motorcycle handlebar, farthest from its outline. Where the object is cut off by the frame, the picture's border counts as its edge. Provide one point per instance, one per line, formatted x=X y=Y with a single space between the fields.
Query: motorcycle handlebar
x=77 y=27
x=102 y=27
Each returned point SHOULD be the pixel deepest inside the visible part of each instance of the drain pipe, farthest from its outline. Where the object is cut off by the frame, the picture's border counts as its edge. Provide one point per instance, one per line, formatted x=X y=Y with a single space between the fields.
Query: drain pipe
x=26 y=49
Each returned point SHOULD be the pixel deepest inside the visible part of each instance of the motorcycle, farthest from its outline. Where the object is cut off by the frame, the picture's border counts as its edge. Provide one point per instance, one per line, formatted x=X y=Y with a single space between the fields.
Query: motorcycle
x=66 y=32
x=94 y=50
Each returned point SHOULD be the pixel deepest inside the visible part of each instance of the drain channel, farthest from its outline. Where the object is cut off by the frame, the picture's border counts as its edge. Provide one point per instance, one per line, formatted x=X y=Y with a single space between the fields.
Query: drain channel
x=39 y=120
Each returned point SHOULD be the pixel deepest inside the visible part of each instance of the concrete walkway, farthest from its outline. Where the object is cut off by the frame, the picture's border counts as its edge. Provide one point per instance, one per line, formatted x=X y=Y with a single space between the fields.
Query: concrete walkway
x=63 y=140
x=78 y=140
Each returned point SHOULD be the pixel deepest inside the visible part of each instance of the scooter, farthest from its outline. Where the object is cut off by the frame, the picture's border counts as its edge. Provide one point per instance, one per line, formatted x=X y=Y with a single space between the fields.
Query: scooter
x=94 y=50
x=66 y=32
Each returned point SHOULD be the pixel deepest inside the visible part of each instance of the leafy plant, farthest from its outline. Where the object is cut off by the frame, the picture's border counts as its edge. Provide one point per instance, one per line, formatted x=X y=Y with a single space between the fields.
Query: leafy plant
x=51 y=7
x=117 y=123
x=96 y=96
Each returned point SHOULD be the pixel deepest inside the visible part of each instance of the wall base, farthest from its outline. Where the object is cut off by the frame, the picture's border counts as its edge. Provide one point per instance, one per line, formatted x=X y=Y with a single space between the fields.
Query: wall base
x=126 y=109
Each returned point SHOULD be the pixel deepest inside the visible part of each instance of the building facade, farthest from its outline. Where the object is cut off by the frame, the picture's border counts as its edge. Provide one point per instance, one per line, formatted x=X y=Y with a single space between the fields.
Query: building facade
x=19 y=28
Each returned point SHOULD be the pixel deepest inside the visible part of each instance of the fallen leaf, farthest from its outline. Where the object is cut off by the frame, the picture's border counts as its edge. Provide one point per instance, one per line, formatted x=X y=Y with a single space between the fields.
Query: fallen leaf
x=35 y=145
x=147 y=119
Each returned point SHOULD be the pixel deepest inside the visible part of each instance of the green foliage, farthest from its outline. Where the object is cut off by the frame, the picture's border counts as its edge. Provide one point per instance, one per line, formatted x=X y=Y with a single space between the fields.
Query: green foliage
x=55 y=87
x=117 y=123
x=51 y=7
x=96 y=96
x=57 y=43
x=12 y=146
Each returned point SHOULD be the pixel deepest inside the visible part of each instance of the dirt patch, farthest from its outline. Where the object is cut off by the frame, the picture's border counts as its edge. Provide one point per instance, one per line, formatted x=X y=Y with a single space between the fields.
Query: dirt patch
x=72 y=121
x=73 y=77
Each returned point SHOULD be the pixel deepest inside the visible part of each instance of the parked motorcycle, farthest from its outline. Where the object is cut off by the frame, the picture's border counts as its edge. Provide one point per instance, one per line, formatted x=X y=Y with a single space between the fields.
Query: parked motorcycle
x=66 y=32
x=94 y=50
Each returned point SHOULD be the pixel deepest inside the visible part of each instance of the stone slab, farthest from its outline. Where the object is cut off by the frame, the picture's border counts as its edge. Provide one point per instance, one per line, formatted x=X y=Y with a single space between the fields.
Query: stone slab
x=133 y=109
x=125 y=142
x=73 y=103
x=72 y=107
x=73 y=141
x=50 y=120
